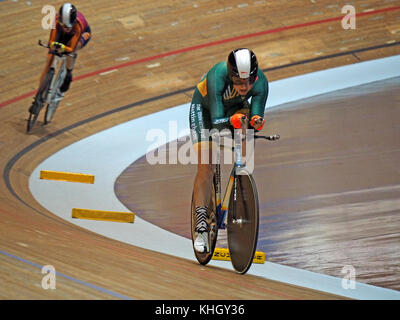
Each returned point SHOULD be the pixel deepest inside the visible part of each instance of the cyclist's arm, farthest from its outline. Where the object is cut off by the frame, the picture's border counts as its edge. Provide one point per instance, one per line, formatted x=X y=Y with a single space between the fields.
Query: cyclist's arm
x=73 y=42
x=50 y=57
x=75 y=39
x=215 y=86
x=259 y=99
x=53 y=36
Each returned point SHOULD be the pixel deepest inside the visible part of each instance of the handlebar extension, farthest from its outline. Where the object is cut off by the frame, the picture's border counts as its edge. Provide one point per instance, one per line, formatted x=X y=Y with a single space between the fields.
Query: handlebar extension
x=71 y=54
x=273 y=137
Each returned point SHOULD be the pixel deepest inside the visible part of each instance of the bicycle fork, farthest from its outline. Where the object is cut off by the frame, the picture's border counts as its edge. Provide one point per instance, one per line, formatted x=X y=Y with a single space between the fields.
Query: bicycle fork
x=222 y=210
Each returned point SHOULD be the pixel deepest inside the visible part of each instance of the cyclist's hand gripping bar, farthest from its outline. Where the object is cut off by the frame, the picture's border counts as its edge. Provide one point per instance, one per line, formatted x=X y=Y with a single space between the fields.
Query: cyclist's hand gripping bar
x=71 y=54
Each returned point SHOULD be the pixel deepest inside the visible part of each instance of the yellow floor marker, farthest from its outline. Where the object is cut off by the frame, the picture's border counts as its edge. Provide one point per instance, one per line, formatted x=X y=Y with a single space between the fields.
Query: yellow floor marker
x=113 y=216
x=223 y=254
x=66 y=176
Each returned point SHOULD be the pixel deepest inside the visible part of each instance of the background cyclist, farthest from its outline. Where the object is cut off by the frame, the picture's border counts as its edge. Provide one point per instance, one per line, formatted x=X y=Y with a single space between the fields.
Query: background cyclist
x=220 y=101
x=71 y=33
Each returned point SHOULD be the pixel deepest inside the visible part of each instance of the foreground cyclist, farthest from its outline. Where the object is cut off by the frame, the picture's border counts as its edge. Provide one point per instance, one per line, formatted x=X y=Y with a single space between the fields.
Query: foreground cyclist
x=72 y=33
x=220 y=101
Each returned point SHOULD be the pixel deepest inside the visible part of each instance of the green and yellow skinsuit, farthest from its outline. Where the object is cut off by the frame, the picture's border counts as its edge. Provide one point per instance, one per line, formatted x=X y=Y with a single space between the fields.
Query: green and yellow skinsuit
x=215 y=100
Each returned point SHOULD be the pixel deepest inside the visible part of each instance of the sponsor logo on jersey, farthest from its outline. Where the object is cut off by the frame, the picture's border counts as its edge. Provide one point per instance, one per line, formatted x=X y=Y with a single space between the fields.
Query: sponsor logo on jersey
x=230 y=93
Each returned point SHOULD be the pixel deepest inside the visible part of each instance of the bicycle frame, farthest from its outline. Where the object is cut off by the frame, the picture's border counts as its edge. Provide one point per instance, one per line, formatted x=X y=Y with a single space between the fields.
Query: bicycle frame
x=60 y=72
x=59 y=68
x=238 y=210
x=223 y=205
x=238 y=150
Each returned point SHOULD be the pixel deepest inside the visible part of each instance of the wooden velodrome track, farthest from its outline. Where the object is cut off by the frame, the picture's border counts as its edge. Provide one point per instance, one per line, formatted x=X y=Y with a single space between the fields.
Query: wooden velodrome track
x=128 y=39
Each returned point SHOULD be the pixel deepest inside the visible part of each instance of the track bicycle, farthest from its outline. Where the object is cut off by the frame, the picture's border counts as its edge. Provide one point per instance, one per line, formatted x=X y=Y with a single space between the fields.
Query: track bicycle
x=49 y=93
x=238 y=211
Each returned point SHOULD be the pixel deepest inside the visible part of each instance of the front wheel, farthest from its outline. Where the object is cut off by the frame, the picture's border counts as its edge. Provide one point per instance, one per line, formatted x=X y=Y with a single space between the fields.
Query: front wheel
x=52 y=107
x=204 y=258
x=243 y=221
x=56 y=95
x=40 y=100
x=32 y=117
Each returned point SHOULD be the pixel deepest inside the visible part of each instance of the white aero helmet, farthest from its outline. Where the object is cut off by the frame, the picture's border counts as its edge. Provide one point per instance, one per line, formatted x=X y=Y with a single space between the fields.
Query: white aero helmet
x=68 y=14
x=242 y=63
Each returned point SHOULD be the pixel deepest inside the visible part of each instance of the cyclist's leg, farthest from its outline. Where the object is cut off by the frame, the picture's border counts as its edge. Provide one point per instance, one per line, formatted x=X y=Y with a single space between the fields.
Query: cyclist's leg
x=70 y=64
x=85 y=38
x=202 y=190
x=49 y=61
x=200 y=125
x=204 y=175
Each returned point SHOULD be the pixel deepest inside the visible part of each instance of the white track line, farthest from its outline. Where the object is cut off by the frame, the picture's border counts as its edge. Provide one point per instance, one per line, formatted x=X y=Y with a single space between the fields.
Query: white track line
x=107 y=153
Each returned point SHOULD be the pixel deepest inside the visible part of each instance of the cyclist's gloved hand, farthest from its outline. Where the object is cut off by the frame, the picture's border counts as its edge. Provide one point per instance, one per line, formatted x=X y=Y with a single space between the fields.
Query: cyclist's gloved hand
x=236 y=120
x=58 y=45
x=257 y=122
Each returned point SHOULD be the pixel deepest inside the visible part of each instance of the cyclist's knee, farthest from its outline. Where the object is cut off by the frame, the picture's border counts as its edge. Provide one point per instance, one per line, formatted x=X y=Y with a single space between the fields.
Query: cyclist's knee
x=71 y=61
x=205 y=168
x=205 y=151
x=205 y=171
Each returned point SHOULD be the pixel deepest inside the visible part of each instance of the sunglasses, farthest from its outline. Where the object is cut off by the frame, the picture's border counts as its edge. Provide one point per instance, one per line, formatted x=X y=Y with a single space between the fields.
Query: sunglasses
x=239 y=81
x=64 y=25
